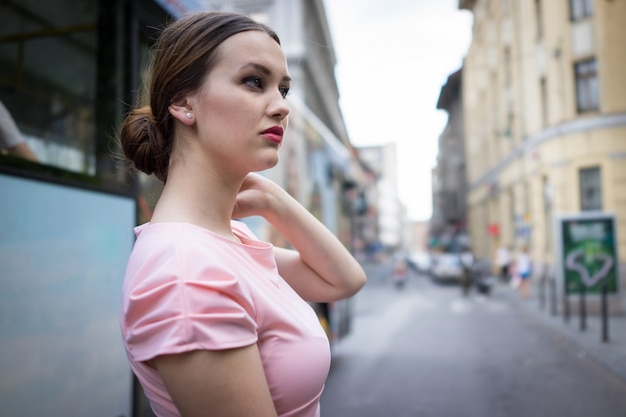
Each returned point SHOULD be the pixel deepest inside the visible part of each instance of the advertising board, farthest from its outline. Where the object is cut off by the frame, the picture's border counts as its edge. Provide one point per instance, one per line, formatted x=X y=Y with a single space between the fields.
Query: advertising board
x=63 y=251
x=587 y=253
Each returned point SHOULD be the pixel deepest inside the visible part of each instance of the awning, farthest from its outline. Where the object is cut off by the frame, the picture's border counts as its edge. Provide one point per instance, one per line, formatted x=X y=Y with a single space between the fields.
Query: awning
x=178 y=8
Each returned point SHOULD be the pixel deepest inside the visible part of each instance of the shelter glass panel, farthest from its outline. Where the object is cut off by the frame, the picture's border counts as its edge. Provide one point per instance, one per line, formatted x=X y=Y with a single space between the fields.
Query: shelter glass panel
x=48 y=78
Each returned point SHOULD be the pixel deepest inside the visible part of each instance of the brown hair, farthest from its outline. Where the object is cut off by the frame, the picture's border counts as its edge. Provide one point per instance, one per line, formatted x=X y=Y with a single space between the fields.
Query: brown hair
x=184 y=54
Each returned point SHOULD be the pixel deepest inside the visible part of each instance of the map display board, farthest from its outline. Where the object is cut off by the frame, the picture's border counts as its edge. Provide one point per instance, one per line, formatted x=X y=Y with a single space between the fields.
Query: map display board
x=587 y=256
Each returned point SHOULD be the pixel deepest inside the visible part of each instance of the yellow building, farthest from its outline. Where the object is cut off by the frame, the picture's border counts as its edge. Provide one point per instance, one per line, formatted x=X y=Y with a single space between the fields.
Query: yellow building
x=544 y=101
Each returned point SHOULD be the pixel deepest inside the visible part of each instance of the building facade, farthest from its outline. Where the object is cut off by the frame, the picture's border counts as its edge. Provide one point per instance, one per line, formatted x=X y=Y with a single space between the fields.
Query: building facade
x=448 y=225
x=544 y=97
x=391 y=214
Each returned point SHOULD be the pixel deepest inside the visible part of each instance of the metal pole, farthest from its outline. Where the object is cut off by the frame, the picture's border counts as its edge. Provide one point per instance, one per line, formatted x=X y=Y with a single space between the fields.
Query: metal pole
x=605 y=313
x=553 y=300
x=542 y=290
x=583 y=308
x=565 y=304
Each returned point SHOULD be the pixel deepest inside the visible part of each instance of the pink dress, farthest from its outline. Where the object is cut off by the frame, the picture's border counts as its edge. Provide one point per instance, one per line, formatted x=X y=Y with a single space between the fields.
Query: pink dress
x=187 y=288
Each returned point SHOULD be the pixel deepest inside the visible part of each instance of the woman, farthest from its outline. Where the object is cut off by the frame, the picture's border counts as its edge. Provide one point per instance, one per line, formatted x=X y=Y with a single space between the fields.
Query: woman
x=11 y=140
x=215 y=322
x=523 y=269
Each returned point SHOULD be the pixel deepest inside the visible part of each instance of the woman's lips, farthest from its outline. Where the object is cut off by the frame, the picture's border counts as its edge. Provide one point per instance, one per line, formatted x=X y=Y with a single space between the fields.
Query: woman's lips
x=274 y=134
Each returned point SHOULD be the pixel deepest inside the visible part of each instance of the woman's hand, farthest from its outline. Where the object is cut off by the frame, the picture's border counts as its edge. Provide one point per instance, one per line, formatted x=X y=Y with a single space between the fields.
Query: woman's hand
x=321 y=269
x=254 y=197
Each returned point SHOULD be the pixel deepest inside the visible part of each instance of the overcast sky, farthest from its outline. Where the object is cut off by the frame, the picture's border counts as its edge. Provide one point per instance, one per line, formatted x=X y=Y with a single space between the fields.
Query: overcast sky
x=393 y=58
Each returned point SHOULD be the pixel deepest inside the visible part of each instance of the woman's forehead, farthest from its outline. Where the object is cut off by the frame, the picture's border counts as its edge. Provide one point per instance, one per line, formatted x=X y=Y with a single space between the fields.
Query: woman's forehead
x=253 y=46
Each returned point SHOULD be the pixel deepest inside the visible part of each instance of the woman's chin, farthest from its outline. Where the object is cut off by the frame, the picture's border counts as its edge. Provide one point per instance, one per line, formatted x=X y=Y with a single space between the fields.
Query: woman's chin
x=269 y=162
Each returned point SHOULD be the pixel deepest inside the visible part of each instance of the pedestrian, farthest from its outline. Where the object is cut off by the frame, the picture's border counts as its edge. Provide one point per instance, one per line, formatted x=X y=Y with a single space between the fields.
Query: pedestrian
x=467 y=261
x=399 y=275
x=503 y=261
x=11 y=139
x=214 y=321
x=523 y=271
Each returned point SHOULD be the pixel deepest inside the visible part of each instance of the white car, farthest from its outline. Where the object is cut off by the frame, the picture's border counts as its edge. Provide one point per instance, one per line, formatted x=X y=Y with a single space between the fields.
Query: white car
x=420 y=261
x=447 y=267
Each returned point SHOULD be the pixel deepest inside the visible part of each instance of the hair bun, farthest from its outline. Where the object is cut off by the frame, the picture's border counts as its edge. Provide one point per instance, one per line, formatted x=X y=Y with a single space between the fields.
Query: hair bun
x=142 y=144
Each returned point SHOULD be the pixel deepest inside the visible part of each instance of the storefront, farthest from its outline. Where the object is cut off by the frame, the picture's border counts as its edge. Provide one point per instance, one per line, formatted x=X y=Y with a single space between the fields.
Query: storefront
x=69 y=72
x=71 y=69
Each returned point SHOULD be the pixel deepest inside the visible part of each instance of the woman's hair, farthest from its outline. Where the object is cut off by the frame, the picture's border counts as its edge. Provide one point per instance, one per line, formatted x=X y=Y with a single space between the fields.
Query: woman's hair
x=183 y=56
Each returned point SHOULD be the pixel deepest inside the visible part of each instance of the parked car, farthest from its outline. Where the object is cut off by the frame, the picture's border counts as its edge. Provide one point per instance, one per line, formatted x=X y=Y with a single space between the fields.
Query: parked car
x=447 y=267
x=420 y=261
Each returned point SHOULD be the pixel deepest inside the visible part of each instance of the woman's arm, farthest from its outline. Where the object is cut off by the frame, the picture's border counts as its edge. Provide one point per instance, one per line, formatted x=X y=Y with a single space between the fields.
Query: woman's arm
x=11 y=138
x=220 y=383
x=321 y=269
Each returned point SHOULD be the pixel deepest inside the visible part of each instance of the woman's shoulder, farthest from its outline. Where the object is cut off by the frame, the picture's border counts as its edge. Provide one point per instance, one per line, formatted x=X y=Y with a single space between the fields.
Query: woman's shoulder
x=184 y=256
x=172 y=230
x=176 y=270
x=174 y=250
x=178 y=229
x=178 y=247
x=183 y=237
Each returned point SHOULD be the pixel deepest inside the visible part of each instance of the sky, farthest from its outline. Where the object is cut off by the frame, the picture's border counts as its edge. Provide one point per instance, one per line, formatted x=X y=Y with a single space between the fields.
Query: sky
x=393 y=58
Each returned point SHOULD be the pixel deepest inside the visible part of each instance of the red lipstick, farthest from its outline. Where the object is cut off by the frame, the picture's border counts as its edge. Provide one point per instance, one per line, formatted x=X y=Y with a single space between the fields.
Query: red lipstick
x=274 y=134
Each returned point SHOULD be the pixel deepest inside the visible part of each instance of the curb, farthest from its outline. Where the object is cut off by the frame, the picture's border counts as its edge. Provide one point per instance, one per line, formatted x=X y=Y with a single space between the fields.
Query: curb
x=610 y=354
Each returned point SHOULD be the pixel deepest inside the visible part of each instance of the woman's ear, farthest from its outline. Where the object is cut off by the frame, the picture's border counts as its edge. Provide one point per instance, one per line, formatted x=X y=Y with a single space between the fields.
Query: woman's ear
x=182 y=112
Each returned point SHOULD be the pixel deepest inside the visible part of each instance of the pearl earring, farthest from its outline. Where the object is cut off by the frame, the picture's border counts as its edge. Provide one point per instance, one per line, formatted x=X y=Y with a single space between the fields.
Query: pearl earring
x=189 y=115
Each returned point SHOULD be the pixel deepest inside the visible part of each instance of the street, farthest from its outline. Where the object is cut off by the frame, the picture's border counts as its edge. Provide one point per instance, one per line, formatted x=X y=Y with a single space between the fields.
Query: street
x=426 y=350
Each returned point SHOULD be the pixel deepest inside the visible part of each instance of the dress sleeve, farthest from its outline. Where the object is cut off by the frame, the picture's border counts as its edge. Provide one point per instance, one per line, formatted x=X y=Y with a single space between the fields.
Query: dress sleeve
x=178 y=306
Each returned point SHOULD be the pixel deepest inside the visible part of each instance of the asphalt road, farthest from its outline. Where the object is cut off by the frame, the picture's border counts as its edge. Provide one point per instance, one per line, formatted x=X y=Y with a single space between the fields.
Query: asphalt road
x=428 y=351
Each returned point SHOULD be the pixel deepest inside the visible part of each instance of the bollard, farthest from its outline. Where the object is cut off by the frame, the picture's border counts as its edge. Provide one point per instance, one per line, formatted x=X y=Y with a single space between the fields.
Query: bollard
x=605 y=313
x=542 y=291
x=583 y=308
x=553 y=295
x=565 y=305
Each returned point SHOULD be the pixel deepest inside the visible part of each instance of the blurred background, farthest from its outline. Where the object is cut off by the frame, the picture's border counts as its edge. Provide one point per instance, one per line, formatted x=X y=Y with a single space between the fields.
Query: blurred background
x=418 y=129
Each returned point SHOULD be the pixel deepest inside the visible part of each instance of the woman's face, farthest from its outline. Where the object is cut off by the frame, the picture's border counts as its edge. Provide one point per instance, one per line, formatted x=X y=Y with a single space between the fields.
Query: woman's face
x=240 y=111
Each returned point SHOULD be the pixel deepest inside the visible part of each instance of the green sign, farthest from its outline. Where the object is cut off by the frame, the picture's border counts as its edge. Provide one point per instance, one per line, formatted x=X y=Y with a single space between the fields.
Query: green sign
x=589 y=253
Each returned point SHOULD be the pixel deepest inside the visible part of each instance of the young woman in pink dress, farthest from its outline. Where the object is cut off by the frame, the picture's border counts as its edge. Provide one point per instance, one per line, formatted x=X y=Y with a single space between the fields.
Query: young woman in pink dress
x=214 y=321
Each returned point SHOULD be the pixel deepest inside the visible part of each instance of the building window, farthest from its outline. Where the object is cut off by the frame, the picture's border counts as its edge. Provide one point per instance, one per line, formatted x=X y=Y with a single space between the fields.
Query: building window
x=48 y=78
x=580 y=9
x=587 y=89
x=506 y=7
x=590 y=189
x=539 y=18
x=544 y=102
x=547 y=211
x=508 y=70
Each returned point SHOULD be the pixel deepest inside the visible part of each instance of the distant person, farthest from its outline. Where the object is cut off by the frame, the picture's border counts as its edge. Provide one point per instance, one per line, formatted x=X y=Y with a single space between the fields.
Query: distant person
x=523 y=271
x=11 y=140
x=467 y=261
x=215 y=321
x=503 y=261
x=399 y=274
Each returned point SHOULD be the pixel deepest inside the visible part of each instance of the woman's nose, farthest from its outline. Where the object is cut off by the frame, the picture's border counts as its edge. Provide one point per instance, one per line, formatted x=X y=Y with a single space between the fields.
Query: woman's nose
x=278 y=106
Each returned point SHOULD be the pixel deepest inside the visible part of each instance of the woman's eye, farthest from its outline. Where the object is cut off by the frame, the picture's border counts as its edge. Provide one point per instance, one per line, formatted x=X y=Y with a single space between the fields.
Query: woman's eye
x=257 y=84
x=254 y=82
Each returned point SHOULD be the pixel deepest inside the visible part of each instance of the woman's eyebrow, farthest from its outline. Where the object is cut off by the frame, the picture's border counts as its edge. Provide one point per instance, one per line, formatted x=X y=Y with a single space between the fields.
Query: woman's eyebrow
x=264 y=70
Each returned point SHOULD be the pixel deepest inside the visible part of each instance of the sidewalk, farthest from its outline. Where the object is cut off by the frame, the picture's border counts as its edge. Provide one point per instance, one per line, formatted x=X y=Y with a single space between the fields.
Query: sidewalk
x=611 y=354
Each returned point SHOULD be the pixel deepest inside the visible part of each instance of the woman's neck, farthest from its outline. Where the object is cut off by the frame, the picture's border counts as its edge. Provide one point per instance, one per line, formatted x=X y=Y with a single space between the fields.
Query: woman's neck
x=203 y=198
